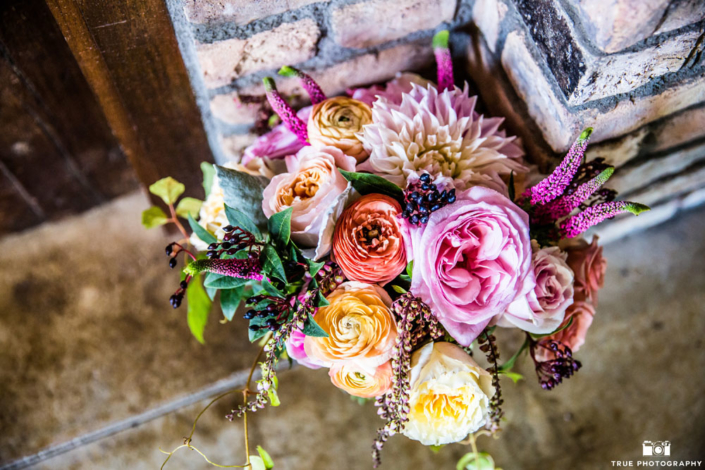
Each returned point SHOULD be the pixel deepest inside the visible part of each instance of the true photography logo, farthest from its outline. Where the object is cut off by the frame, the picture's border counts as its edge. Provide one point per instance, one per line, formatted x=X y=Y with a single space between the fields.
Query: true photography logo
x=655 y=449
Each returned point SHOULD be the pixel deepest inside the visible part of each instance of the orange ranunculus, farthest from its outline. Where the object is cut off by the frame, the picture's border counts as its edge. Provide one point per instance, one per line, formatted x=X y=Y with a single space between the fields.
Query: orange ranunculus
x=359 y=383
x=361 y=329
x=368 y=244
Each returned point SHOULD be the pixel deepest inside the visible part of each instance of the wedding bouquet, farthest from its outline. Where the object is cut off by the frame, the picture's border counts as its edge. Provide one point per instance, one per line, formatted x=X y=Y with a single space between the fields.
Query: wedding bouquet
x=383 y=236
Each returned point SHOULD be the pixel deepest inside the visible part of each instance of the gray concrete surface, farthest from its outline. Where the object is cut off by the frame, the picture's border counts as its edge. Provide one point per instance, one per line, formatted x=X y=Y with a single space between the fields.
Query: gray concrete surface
x=88 y=340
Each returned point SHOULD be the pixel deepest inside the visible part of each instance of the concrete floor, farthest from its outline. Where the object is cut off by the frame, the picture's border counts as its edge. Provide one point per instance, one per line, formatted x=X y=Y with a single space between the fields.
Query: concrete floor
x=89 y=346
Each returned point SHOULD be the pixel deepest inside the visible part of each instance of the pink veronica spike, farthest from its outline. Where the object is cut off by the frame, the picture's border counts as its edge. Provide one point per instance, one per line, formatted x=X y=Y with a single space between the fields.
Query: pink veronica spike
x=249 y=268
x=574 y=226
x=556 y=183
x=285 y=112
x=443 y=60
x=314 y=91
x=566 y=204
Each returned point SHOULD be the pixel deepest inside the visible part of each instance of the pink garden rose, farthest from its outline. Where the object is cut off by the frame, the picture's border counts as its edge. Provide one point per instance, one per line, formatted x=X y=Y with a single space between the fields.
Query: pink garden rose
x=542 y=310
x=311 y=185
x=295 y=350
x=471 y=260
x=589 y=267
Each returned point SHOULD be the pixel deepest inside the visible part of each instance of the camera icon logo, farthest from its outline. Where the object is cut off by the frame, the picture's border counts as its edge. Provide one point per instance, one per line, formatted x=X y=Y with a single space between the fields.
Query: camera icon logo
x=657 y=448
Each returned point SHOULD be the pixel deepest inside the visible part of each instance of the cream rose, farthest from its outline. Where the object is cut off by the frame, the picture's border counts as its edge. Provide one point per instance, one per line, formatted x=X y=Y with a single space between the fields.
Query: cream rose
x=310 y=187
x=212 y=214
x=361 y=329
x=449 y=397
x=336 y=122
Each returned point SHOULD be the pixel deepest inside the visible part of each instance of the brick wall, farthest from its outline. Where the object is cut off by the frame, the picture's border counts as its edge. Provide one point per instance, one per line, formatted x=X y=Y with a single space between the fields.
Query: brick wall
x=632 y=69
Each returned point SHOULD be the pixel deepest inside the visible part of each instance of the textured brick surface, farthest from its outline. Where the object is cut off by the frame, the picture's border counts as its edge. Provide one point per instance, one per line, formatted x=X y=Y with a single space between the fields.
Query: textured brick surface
x=238 y=11
x=376 y=21
x=87 y=336
x=617 y=24
x=289 y=43
x=560 y=126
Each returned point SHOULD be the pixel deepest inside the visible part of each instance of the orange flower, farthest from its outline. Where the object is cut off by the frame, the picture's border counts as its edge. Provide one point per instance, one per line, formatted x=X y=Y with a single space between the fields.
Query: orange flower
x=359 y=383
x=368 y=244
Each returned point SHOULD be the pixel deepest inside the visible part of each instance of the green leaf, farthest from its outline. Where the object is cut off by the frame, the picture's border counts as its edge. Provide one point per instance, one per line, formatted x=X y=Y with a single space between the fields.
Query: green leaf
x=201 y=232
x=366 y=183
x=515 y=376
x=244 y=191
x=230 y=301
x=239 y=219
x=208 y=170
x=272 y=264
x=512 y=190
x=224 y=282
x=321 y=301
x=507 y=366
x=279 y=226
x=410 y=268
x=314 y=267
x=273 y=397
x=436 y=449
x=256 y=463
x=199 y=306
x=270 y=289
x=399 y=290
x=256 y=335
x=154 y=217
x=268 y=462
x=479 y=461
x=359 y=400
x=311 y=328
x=168 y=189
x=188 y=206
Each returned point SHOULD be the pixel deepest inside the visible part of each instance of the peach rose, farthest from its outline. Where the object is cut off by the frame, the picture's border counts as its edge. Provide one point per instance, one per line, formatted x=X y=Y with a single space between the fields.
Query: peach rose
x=582 y=313
x=336 y=122
x=361 y=329
x=359 y=383
x=368 y=243
x=310 y=187
x=589 y=268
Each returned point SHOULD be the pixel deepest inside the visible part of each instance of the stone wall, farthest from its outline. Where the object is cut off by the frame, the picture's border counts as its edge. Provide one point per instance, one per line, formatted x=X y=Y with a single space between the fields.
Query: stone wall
x=632 y=69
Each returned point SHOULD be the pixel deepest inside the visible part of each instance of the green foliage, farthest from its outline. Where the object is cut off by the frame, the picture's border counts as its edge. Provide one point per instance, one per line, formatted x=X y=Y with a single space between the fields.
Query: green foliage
x=218 y=281
x=314 y=267
x=245 y=192
x=270 y=289
x=154 y=217
x=515 y=376
x=230 y=300
x=321 y=301
x=199 y=306
x=512 y=190
x=436 y=449
x=201 y=232
x=208 y=170
x=366 y=183
x=272 y=393
x=266 y=459
x=479 y=461
x=279 y=226
x=399 y=290
x=188 y=206
x=507 y=366
x=168 y=189
x=237 y=218
x=272 y=263
x=359 y=400
x=311 y=328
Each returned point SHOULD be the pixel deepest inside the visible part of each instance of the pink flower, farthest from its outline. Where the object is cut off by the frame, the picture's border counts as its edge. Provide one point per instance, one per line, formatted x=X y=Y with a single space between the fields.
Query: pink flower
x=277 y=143
x=390 y=91
x=582 y=313
x=589 y=267
x=471 y=260
x=295 y=350
x=542 y=310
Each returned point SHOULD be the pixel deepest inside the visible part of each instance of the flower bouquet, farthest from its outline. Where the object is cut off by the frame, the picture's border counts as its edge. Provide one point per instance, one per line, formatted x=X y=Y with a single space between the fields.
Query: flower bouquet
x=383 y=236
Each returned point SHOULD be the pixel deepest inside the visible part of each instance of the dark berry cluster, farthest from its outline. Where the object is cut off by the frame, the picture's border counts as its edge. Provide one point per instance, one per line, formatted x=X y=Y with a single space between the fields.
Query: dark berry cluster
x=235 y=239
x=559 y=366
x=274 y=309
x=421 y=198
x=172 y=251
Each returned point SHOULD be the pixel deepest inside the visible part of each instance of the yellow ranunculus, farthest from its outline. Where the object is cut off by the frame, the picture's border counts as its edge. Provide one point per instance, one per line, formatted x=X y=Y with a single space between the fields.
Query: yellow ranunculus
x=336 y=122
x=361 y=329
x=449 y=396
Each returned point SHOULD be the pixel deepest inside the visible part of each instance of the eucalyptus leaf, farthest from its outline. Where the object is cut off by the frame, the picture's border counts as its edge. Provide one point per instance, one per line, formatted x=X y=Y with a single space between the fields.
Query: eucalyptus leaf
x=188 y=206
x=208 y=170
x=272 y=264
x=199 y=306
x=201 y=232
x=279 y=226
x=311 y=328
x=230 y=301
x=245 y=192
x=168 y=189
x=239 y=219
x=154 y=217
x=367 y=183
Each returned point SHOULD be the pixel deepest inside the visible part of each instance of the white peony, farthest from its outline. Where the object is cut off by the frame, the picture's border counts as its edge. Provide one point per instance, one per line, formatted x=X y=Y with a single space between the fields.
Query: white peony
x=449 y=397
x=441 y=134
